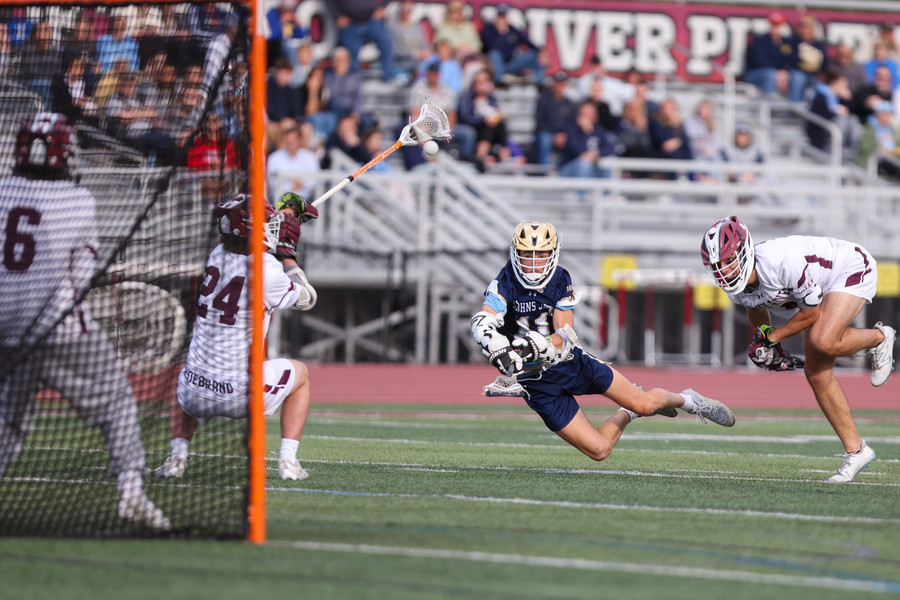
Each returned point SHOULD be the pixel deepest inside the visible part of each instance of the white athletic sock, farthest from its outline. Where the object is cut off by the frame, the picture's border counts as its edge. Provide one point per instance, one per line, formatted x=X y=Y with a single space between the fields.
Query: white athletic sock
x=289 y=449
x=180 y=447
x=688 y=403
x=633 y=415
x=130 y=481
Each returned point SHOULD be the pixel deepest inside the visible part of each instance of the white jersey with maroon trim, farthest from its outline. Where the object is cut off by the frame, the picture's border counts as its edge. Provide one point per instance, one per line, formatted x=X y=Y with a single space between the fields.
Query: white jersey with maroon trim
x=49 y=250
x=221 y=341
x=798 y=271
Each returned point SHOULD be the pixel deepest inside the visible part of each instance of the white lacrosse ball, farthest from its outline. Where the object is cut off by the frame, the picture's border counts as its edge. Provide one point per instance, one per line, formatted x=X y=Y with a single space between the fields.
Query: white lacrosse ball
x=430 y=148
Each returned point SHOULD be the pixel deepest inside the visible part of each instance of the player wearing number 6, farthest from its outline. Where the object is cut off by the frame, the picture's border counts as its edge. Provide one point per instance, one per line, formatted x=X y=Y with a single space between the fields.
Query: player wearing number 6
x=820 y=284
x=525 y=328
x=48 y=337
x=214 y=381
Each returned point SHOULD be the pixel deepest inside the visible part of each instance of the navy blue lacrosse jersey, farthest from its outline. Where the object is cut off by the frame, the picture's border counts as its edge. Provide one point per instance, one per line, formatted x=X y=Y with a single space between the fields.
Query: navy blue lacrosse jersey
x=549 y=393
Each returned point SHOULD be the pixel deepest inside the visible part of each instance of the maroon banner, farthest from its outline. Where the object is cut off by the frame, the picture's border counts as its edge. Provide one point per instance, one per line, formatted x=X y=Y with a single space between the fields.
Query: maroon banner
x=690 y=41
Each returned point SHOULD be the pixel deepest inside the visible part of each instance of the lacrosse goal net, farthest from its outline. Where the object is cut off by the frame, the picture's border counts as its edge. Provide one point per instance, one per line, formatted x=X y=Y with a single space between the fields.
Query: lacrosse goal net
x=156 y=95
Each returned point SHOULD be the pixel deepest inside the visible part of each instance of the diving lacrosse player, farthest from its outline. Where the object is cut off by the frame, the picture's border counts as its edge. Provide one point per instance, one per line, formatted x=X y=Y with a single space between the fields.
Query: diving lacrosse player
x=525 y=328
x=820 y=284
x=214 y=381
x=48 y=338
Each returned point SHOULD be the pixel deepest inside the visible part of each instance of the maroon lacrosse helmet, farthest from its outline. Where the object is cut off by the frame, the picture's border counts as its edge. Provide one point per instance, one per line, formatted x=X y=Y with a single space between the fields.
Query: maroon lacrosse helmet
x=44 y=146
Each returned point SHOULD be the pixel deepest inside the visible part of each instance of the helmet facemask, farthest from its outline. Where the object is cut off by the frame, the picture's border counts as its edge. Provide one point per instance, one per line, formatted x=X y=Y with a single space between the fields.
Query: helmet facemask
x=534 y=252
x=728 y=254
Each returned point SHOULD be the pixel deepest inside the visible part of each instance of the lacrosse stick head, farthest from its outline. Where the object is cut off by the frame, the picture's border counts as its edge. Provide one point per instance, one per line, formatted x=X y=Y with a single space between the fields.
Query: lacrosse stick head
x=432 y=124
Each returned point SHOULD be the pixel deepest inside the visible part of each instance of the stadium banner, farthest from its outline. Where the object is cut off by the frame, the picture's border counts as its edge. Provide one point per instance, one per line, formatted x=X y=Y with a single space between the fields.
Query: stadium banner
x=693 y=41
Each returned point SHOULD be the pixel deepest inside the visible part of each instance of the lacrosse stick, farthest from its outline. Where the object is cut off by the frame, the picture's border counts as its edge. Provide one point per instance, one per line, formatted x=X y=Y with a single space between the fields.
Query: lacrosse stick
x=432 y=124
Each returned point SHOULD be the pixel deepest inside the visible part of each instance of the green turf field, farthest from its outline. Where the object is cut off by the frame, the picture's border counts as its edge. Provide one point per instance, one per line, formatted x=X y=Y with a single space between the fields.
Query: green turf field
x=425 y=502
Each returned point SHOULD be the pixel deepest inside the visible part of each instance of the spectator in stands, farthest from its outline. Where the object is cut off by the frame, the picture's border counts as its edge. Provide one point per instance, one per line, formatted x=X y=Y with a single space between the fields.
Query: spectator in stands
x=668 y=135
x=282 y=100
x=217 y=51
x=291 y=168
x=19 y=27
x=849 y=67
x=40 y=61
x=346 y=138
x=604 y=113
x=315 y=99
x=881 y=59
x=586 y=143
x=459 y=31
x=203 y=22
x=770 y=58
x=480 y=108
x=880 y=136
x=634 y=133
x=552 y=116
x=616 y=92
x=451 y=73
x=81 y=43
x=115 y=45
x=107 y=84
x=148 y=23
x=636 y=79
x=159 y=79
x=211 y=155
x=359 y=22
x=745 y=151
x=411 y=45
x=868 y=97
x=285 y=31
x=510 y=51
x=700 y=127
x=886 y=34
x=129 y=119
x=430 y=89
x=180 y=119
x=810 y=56
x=831 y=100
x=302 y=64
x=5 y=53
x=72 y=95
x=345 y=89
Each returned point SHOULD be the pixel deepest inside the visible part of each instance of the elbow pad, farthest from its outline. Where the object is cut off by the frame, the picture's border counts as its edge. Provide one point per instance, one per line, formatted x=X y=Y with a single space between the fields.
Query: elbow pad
x=308 y=294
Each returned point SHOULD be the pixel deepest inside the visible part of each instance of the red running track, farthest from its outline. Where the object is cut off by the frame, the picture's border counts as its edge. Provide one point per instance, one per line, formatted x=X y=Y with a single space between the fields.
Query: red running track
x=461 y=384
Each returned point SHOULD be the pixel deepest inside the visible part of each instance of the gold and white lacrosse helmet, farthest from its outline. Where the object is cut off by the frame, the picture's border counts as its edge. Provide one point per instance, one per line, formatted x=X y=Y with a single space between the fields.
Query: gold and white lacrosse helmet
x=529 y=238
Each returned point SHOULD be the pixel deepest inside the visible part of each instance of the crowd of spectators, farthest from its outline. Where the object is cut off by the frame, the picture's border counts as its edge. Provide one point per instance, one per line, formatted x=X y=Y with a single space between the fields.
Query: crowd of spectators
x=143 y=76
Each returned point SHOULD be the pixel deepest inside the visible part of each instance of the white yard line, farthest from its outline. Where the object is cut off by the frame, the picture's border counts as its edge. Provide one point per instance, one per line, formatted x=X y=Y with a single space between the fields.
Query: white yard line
x=599 y=565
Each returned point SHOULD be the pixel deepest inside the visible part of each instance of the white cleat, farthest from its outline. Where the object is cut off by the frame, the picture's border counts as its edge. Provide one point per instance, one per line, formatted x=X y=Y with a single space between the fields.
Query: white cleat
x=138 y=508
x=291 y=469
x=175 y=466
x=883 y=355
x=854 y=462
x=707 y=408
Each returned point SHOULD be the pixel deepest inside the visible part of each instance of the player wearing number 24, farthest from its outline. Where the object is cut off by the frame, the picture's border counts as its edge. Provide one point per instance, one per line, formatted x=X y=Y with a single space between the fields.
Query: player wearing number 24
x=526 y=329
x=820 y=284
x=214 y=381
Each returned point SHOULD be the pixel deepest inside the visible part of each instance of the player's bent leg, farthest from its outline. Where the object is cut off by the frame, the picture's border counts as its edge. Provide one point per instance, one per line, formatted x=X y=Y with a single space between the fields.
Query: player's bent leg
x=832 y=335
x=595 y=443
x=656 y=401
x=294 y=401
x=819 y=371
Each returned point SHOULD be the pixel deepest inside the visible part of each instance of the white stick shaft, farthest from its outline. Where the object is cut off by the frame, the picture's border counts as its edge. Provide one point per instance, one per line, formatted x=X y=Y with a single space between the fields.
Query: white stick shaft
x=332 y=191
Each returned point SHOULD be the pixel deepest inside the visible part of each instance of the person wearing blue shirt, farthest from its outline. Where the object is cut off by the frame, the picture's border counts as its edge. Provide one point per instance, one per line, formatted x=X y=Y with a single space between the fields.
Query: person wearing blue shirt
x=586 y=143
x=526 y=329
x=115 y=45
x=770 y=58
x=510 y=50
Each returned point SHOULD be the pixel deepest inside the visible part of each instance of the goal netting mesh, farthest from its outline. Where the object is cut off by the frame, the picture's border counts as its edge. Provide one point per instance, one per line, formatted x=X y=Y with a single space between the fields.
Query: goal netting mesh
x=103 y=254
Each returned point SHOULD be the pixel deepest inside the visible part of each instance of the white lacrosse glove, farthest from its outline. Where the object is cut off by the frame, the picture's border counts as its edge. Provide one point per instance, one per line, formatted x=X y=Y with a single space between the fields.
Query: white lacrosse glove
x=535 y=347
